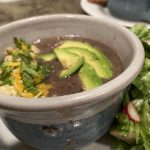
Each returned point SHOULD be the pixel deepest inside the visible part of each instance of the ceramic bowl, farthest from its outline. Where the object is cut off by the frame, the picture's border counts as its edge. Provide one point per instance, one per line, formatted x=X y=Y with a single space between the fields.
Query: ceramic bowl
x=75 y=120
x=134 y=10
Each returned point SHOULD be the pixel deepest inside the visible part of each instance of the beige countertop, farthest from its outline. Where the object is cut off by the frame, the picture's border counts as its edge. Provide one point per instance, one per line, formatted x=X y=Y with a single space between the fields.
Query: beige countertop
x=27 y=8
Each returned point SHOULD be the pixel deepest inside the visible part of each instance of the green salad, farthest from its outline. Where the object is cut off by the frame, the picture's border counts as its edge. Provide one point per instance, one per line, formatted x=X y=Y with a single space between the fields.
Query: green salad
x=132 y=124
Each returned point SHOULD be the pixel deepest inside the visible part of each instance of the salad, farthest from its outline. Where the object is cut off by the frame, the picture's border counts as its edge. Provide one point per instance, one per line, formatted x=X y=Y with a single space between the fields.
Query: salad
x=132 y=124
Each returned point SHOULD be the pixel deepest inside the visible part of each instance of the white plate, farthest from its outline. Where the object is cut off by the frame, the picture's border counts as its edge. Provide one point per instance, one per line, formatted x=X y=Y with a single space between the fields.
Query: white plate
x=103 y=12
x=9 y=142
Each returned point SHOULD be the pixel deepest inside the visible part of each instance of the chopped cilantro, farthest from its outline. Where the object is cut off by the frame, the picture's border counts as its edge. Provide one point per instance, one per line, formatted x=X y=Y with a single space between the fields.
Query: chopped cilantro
x=28 y=82
x=21 y=69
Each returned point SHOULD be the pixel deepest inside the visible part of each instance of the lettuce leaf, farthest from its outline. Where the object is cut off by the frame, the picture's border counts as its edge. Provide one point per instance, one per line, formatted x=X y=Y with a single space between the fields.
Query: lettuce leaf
x=139 y=94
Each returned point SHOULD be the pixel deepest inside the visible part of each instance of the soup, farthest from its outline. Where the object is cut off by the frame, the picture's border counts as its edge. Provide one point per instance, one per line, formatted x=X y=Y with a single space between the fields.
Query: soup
x=58 y=66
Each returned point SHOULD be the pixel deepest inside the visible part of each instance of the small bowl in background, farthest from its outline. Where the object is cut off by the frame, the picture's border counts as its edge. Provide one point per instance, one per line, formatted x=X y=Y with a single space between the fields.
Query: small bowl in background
x=133 y=10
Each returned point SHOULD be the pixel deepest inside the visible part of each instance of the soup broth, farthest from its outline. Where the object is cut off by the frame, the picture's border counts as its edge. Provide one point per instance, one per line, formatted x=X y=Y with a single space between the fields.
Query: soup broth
x=72 y=84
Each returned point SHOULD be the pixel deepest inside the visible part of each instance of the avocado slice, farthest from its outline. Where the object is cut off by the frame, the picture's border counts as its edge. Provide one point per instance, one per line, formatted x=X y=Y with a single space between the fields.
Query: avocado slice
x=47 y=57
x=70 y=71
x=72 y=43
x=93 y=60
x=67 y=59
x=89 y=77
x=82 y=53
x=73 y=62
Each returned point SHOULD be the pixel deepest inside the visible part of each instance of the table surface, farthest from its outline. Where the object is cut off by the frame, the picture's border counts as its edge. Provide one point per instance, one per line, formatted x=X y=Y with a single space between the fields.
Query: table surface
x=28 y=8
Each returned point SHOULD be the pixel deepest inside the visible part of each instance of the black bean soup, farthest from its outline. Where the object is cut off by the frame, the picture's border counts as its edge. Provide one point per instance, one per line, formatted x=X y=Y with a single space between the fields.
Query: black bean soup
x=72 y=84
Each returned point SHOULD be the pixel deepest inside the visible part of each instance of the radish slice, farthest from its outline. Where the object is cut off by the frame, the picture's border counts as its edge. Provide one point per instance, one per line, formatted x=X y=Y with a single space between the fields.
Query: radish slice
x=131 y=112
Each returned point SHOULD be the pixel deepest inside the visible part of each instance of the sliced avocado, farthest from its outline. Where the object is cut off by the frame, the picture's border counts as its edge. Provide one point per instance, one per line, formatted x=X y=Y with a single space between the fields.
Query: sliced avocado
x=48 y=56
x=93 y=60
x=71 y=43
x=89 y=77
x=66 y=58
x=82 y=53
x=70 y=71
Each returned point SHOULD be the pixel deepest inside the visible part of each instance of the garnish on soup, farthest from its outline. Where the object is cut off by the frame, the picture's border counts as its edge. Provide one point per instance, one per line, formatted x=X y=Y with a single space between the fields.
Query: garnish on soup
x=21 y=74
x=67 y=66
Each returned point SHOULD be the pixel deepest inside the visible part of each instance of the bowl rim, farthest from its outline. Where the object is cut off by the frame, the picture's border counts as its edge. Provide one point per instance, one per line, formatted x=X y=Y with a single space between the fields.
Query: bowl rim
x=106 y=90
